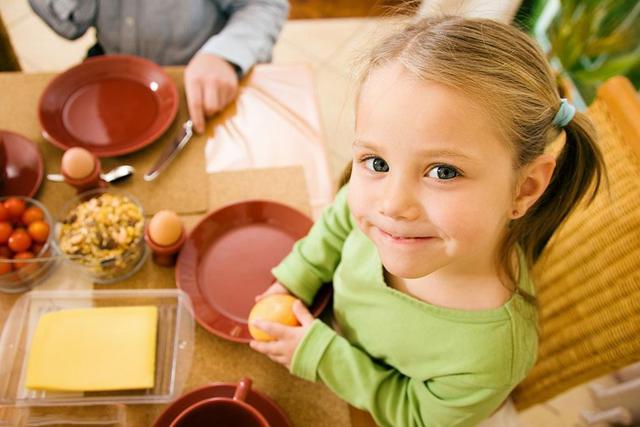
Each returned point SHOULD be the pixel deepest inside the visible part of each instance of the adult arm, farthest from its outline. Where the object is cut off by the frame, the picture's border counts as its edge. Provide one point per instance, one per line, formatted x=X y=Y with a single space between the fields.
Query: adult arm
x=69 y=18
x=250 y=32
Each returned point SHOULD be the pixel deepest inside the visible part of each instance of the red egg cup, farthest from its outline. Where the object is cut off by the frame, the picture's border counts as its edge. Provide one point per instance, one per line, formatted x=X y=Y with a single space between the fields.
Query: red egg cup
x=165 y=255
x=90 y=182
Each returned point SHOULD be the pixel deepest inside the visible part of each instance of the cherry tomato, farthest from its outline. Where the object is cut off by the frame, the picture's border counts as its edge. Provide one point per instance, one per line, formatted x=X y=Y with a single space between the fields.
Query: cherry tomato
x=5 y=231
x=19 y=241
x=23 y=255
x=16 y=207
x=32 y=214
x=5 y=267
x=4 y=213
x=39 y=231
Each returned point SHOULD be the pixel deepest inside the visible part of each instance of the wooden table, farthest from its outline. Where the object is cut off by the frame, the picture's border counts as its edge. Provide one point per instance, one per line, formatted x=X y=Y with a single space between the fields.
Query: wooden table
x=215 y=359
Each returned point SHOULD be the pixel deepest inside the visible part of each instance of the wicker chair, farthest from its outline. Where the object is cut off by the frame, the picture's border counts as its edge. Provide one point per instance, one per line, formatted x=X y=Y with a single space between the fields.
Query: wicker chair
x=588 y=278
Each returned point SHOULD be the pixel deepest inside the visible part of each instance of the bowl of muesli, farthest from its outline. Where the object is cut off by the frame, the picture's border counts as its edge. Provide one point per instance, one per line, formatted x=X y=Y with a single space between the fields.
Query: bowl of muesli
x=102 y=231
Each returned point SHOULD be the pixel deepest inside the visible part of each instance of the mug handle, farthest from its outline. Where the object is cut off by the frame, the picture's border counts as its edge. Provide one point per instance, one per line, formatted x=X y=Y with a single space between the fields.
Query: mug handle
x=244 y=386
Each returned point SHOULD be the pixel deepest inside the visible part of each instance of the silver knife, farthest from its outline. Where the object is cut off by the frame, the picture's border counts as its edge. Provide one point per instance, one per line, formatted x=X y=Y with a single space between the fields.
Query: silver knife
x=171 y=151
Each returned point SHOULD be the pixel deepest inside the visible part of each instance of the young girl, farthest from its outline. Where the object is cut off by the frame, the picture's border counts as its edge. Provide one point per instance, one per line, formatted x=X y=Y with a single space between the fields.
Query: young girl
x=451 y=200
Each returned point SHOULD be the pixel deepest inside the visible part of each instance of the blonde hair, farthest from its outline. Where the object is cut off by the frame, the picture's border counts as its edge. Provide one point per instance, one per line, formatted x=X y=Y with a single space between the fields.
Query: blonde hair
x=503 y=69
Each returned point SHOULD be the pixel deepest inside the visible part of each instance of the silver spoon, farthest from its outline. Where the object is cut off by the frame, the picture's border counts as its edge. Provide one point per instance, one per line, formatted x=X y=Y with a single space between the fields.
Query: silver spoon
x=115 y=174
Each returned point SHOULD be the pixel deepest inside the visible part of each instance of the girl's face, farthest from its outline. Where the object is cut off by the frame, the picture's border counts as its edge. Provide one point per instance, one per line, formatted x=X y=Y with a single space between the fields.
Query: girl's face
x=432 y=183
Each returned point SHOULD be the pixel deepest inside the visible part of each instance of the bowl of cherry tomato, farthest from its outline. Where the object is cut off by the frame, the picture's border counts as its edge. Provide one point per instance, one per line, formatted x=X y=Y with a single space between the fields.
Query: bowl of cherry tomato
x=26 y=249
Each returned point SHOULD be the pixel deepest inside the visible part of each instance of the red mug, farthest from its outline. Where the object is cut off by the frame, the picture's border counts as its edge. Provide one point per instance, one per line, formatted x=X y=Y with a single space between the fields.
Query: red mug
x=222 y=411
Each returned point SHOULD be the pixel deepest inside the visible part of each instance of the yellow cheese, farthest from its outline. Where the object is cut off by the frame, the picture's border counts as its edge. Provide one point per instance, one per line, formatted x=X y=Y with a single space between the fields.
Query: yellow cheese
x=94 y=349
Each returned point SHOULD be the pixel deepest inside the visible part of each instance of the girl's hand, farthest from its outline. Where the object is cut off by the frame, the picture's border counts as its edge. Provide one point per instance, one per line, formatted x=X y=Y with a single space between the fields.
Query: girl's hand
x=276 y=288
x=287 y=338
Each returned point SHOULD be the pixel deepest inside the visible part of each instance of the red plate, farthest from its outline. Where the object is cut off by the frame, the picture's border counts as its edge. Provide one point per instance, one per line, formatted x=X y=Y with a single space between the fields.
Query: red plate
x=273 y=414
x=110 y=105
x=227 y=260
x=21 y=164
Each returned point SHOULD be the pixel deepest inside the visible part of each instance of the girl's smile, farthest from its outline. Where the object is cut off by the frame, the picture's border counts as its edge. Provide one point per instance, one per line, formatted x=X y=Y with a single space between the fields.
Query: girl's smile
x=404 y=239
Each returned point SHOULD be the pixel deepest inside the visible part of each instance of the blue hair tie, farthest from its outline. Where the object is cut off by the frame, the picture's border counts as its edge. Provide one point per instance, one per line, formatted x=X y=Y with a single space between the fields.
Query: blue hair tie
x=565 y=113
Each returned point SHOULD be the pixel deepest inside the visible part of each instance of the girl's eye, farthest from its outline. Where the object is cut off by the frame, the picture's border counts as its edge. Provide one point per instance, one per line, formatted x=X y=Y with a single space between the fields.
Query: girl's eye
x=443 y=172
x=376 y=164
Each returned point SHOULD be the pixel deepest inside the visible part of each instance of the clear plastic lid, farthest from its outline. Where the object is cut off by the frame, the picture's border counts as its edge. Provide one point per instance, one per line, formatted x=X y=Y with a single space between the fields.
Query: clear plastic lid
x=175 y=341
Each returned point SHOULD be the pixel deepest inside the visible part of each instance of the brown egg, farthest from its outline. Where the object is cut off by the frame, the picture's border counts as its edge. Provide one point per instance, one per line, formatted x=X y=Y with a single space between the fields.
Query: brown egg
x=165 y=228
x=78 y=163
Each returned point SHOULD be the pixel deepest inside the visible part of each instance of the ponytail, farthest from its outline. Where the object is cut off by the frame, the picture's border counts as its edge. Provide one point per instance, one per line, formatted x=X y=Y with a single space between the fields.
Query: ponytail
x=579 y=167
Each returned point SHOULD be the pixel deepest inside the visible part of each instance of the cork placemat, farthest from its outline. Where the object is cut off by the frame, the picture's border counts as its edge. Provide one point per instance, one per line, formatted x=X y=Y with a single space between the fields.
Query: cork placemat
x=181 y=187
x=217 y=360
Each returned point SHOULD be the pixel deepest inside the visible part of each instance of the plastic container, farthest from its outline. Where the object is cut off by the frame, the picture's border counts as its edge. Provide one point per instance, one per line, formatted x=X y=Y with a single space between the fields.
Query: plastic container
x=34 y=272
x=108 y=267
x=174 y=350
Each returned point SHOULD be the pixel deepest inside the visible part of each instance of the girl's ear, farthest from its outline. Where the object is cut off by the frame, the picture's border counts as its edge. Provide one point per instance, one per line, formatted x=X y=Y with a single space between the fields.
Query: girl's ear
x=533 y=181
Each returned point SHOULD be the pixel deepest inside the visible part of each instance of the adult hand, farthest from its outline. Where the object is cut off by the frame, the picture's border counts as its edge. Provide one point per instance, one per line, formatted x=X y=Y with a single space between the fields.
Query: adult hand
x=286 y=338
x=210 y=83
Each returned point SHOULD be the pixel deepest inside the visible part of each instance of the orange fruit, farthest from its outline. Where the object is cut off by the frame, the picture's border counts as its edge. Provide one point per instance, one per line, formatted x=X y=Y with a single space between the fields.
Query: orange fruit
x=274 y=308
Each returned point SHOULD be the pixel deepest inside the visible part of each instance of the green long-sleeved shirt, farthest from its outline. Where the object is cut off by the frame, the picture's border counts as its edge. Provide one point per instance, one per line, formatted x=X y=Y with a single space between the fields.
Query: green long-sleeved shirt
x=407 y=362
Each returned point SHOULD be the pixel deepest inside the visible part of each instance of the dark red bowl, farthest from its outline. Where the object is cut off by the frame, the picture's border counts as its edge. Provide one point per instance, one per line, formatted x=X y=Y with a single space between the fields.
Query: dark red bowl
x=21 y=165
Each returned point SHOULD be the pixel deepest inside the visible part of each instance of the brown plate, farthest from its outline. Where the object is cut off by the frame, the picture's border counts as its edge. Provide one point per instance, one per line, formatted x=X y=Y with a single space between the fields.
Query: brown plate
x=227 y=261
x=110 y=105
x=267 y=407
x=21 y=165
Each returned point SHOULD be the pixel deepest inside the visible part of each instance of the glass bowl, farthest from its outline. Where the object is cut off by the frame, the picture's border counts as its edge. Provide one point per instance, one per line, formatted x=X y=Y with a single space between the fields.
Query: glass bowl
x=173 y=357
x=32 y=271
x=102 y=231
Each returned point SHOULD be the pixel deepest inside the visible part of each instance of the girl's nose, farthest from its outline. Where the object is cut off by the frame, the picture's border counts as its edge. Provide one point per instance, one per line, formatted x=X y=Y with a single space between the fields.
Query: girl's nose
x=399 y=201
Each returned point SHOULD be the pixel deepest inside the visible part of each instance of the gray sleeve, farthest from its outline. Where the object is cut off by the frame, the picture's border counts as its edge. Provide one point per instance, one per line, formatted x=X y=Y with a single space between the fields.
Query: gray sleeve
x=250 y=33
x=69 y=18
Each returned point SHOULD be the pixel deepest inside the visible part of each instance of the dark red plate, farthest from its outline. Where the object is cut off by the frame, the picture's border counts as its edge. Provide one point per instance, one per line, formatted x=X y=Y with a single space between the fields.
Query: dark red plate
x=21 y=164
x=267 y=407
x=227 y=260
x=110 y=105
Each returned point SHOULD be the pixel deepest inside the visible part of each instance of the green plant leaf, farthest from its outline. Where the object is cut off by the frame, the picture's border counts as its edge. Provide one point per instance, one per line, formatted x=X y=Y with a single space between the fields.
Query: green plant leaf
x=620 y=65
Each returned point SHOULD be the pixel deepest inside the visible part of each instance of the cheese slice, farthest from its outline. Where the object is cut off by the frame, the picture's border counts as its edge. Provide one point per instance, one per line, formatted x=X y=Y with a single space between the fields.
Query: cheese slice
x=94 y=349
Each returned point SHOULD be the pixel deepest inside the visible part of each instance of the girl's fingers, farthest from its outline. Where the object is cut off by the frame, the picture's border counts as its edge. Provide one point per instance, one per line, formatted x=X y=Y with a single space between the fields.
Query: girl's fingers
x=270 y=348
x=276 y=330
x=302 y=313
